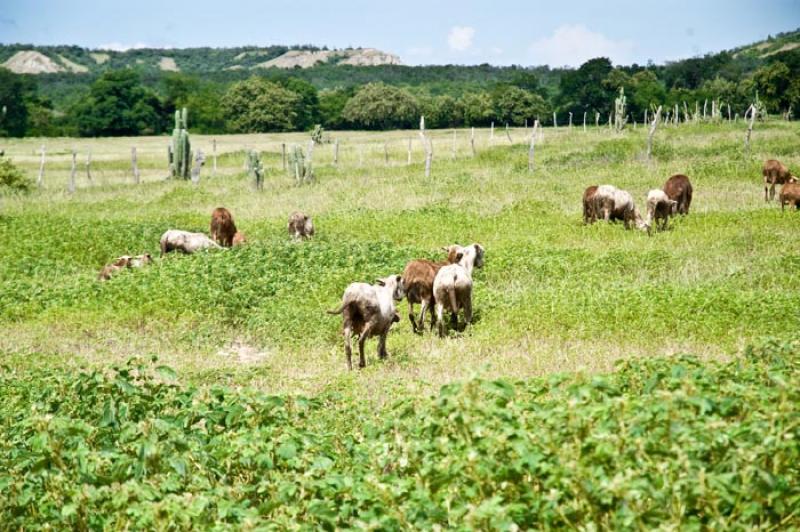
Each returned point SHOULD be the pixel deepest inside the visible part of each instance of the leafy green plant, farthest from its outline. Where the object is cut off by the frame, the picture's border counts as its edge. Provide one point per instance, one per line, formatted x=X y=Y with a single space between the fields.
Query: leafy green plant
x=12 y=179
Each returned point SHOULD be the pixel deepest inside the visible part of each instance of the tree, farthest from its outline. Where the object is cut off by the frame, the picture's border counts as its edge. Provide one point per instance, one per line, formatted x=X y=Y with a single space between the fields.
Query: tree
x=380 y=106
x=583 y=89
x=645 y=92
x=513 y=105
x=14 y=120
x=773 y=83
x=256 y=105
x=331 y=106
x=308 y=112
x=118 y=105
x=441 y=111
x=478 y=110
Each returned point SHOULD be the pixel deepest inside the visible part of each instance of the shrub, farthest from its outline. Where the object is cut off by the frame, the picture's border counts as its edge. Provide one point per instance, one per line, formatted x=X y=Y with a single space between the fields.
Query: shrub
x=12 y=179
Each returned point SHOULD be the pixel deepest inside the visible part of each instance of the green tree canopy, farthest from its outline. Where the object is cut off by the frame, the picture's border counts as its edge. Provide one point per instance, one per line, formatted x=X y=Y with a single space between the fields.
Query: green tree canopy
x=380 y=106
x=331 y=106
x=583 y=89
x=118 y=105
x=478 y=109
x=14 y=120
x=773 y=83
x=513 y=105
x=257 y=105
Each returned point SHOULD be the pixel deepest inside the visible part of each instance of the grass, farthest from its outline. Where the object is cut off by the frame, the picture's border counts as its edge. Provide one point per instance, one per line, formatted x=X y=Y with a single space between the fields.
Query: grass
x=568 y=403
x=554 y=295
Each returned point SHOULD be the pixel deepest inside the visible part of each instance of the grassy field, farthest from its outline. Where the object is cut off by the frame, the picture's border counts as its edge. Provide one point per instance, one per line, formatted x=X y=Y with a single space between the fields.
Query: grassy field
x=289 y=437
x=554 y=295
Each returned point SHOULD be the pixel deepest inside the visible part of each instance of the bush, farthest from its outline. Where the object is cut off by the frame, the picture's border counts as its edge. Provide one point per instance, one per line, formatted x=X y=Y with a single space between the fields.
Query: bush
x=380 y=106
x=12 y=179
x=661 y=443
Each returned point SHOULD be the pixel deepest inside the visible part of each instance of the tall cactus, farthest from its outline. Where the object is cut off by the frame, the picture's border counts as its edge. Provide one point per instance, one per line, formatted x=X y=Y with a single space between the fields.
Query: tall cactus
x=181 y=156
x=620 y=103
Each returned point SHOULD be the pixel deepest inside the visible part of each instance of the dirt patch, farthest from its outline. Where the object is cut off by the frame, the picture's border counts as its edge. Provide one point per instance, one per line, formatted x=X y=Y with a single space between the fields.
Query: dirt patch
x=244 y=353
x=308 y=58
x=168 y=64
x=31 y=62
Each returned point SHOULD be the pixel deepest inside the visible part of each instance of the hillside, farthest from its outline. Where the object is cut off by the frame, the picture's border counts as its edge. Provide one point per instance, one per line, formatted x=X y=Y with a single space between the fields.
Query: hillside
x=29 y=59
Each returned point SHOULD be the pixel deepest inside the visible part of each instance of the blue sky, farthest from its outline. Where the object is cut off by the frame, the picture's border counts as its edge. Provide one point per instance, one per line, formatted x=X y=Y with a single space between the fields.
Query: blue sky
x=532 y=32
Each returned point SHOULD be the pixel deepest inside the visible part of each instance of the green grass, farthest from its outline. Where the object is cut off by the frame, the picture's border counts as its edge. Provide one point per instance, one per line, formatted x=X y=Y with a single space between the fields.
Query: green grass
x=554 y=297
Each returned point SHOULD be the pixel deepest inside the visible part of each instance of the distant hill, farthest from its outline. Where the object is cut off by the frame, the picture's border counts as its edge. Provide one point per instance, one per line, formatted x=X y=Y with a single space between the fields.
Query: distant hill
x=30 y=59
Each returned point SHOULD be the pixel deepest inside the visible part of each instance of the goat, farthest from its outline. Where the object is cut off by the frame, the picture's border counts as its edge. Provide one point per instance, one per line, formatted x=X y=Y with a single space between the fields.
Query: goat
x=617 y=204
x=185 y=242
x=418 y=277
x=659 y=209
x=679 y=188
x=775 y=173
x=222 y=228
x=452 y=286
x=300 y=226
x=369 y=310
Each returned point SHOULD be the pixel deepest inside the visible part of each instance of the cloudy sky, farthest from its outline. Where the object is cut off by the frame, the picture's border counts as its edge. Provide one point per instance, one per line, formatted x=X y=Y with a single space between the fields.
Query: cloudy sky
x=531 y=32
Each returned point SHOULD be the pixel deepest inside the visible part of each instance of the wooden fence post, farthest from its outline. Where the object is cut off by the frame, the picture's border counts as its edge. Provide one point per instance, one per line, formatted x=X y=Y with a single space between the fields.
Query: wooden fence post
x=653 y=126
x=570 y=121
x=454 y=144
x=408 y=160
x=555 y=122
x=385 y=154
x=214 y=156
x=134 y=165
x=531 y=162
x=40 y=179
x=89 y=166
x=508 y=134
x=472 y=141
x=491 y=133
x=584 y=121
x=752 y=111
x=428 y=145
x=72 y=171
x=283 y=155
x=597 y=119
x=336 y=152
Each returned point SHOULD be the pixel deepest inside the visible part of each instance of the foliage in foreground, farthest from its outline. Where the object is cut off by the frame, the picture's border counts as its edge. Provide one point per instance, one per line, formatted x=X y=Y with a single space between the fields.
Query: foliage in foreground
x=11 y=178
x=663 y=441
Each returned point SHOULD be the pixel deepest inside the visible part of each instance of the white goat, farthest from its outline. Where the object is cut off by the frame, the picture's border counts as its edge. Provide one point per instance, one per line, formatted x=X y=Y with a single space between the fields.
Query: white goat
x=452 y=286
x=615 y=204
x=185 y=242
x=369 y=310
x=659 y=208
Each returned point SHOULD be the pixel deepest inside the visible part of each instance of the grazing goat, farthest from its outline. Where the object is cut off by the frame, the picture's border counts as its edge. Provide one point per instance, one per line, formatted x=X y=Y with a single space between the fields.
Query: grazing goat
x=775 y=173
x=222 y=228
x=300 y=226
x=790 y=193
x=239 y=239
x=369 y=310
x=659 y=209
x=589 y=216
x=125 y=261
x=185 y=242
x=616 y=204
x=452 y=286
x=679 y=188
x=418 y=277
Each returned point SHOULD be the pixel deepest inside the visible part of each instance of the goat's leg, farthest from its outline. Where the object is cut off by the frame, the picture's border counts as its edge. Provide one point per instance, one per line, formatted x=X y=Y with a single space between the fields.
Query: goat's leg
x=440 y=318
x=411 y=316
x=382 y=346
x=424 y=304
x=348 y=349
x=772 y=192
x=362 y=361
x=467 y=304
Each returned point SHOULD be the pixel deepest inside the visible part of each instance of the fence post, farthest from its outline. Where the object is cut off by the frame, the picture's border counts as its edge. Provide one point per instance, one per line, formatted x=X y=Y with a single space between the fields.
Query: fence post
x=40 y=179
x=283 y=155
x=508 y=134
x=385 y=154
x=134 y=165
x=428 y=145
x=454 y=144
x=532 y=146
x=491 y=134
x=584 y=121
x=596 y=119
x=652 y=132
x=336 y=152
x=555 y=122
x=89 y=166
x=72 y=171
x=214 y=155
x=408 y=160
x=752 y=111
x=472 y=141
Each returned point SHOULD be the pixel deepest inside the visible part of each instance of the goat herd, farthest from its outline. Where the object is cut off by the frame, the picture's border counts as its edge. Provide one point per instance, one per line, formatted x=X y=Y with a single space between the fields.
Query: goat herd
x=369 y=309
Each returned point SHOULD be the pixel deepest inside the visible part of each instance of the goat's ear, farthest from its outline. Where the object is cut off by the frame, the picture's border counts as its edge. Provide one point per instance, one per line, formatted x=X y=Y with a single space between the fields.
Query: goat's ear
x=380 y=282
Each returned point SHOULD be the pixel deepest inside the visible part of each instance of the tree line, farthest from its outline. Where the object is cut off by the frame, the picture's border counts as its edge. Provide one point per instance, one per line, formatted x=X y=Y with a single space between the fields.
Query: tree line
x=129 y=102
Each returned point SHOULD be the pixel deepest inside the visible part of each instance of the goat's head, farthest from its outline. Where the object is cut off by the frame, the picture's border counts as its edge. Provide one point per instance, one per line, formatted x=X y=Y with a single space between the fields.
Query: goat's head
x=395 y=284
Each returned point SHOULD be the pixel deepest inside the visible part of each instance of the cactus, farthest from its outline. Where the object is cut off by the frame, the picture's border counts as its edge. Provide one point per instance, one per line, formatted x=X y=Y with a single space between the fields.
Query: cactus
x=254 y=168
x=620 y=103
x=180 y=155
x=297 y=164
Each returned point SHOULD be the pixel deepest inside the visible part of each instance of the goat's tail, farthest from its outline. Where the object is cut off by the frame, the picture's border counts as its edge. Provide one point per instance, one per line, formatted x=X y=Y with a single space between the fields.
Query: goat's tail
x=336 y=311
x=451 y=292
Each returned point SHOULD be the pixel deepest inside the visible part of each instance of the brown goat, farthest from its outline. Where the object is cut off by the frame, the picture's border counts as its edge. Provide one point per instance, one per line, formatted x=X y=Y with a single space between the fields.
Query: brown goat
x=775 y=173
x=418 y=279
x=222 y=227
x=300 y=226
x=790 y=193
x=120 y=263
x=589 y=214
x=679 y=188
x=239 y=239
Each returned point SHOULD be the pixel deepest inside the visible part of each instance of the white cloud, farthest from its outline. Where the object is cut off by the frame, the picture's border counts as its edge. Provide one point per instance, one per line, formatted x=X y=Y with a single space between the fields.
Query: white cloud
x=574 y=44
x=460 y=37
x=120 y=47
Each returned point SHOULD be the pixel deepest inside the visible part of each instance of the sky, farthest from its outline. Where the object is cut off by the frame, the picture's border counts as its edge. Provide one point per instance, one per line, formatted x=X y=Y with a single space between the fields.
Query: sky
x=500 y=32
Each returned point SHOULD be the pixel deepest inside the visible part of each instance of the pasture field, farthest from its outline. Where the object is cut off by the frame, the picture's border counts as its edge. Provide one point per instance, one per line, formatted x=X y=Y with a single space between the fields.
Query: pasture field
x=246 y=334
